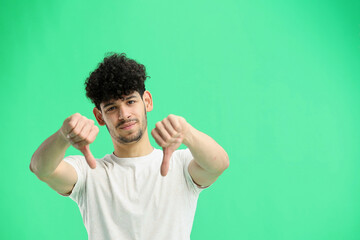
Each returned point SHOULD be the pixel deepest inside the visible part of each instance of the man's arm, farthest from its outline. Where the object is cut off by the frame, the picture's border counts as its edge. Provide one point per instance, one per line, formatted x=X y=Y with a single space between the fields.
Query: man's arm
x=47 y=161
x=210 y=159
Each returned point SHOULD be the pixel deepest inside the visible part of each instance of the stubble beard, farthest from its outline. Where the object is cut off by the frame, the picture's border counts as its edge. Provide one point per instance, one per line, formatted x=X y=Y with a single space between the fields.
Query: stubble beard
x=136 y=137
x=127 y=140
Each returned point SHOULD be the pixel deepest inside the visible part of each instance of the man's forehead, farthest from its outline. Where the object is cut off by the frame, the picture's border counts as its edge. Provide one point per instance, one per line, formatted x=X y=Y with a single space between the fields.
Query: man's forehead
x=122 y=98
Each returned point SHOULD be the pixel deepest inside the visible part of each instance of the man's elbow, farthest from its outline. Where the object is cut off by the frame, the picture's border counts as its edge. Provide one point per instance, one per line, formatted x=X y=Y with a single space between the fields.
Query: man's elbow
x=226 y=162
x=223 y=163
x=30 y=165
x=33 y=169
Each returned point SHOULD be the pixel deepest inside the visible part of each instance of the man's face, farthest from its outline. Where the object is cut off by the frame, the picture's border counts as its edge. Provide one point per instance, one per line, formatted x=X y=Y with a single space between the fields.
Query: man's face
x=125 y=118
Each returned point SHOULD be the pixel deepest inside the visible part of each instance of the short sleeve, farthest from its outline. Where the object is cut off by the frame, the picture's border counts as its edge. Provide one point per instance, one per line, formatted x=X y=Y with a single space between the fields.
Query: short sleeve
x=187 y=157
x=81 y=167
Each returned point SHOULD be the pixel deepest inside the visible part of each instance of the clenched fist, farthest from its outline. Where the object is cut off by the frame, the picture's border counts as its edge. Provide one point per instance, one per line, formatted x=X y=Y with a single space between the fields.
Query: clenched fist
x=169 y=134
x=80 y=131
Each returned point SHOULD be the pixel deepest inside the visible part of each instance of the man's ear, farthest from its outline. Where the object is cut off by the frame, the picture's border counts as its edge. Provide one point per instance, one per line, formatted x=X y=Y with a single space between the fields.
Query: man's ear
x=98 y=116
x=147 y=98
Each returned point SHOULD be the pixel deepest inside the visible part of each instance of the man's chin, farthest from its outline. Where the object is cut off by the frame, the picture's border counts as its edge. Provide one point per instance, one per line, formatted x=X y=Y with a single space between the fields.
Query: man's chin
x=129 y=140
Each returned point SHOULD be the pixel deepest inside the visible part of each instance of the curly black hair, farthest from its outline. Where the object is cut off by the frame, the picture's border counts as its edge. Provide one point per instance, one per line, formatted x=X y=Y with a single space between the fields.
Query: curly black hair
x=116 y=76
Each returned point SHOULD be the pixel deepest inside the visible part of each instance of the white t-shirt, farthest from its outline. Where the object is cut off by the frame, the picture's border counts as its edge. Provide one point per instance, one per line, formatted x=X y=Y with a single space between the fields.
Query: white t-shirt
x=127 y=198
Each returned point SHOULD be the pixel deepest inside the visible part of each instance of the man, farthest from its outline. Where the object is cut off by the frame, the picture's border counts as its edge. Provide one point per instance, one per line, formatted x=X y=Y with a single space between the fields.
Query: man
x=137 y=192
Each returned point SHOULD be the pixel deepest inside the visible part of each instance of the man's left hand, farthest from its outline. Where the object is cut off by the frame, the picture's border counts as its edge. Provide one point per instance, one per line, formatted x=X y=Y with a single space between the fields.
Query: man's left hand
x=169 y=134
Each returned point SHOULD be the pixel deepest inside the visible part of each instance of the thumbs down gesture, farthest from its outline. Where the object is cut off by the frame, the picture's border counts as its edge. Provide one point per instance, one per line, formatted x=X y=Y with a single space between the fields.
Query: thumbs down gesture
x=80 y=132
x=169 y=134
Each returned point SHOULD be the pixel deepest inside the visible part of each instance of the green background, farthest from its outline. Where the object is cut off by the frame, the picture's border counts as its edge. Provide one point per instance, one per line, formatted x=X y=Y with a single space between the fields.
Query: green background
x=276 y=83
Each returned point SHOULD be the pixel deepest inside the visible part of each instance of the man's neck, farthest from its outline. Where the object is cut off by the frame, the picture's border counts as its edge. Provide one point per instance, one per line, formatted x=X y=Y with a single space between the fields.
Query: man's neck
x=136 y=149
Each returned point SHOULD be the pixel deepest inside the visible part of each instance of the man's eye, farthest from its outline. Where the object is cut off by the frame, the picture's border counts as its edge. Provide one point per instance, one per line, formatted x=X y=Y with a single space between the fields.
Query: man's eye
x=131 y=102
x=110 y=109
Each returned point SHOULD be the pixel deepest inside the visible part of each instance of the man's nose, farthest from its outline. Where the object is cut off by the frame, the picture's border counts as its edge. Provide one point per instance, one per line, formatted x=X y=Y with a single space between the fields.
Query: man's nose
x=124 y=113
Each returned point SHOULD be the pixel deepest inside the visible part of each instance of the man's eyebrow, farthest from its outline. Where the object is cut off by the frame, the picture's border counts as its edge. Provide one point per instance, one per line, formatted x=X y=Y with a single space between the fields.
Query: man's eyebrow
x=108 y=104
x=130 y=97
x=123 y=99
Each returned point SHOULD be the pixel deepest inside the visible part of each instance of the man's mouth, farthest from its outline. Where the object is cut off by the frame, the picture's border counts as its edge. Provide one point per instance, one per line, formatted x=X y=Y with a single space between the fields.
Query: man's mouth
x=128 y=125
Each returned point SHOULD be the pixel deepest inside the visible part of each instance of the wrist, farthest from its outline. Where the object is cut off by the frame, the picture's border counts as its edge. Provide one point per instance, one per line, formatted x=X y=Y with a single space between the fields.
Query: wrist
x=189 y=136
x=62 y=138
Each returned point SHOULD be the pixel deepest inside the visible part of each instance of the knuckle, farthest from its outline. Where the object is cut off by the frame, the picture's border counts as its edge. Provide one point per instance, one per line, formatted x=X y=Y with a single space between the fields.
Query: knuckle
x=161 y=143
x=167 y=139
x=76 y=115
x=173 y=117
x=71 y=124
x=153 y=133
x=76 y=132
x=67 y=119
x=158 y=124
x=90 y=139
x=82 y=136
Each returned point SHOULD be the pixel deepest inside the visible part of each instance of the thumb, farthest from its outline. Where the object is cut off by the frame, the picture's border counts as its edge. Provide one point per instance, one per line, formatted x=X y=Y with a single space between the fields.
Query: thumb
x=88 y=156
x=166 y=161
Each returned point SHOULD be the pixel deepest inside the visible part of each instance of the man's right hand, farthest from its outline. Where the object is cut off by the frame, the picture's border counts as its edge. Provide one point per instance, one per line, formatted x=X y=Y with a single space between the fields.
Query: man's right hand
x=80 y=131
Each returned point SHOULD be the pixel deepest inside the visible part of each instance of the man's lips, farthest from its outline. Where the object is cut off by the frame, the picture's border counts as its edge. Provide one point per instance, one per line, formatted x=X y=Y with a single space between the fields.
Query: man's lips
x=128 y=125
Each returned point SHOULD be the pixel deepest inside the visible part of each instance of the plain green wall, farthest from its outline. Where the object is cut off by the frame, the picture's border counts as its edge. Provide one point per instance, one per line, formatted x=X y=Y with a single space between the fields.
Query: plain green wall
x=276 y=83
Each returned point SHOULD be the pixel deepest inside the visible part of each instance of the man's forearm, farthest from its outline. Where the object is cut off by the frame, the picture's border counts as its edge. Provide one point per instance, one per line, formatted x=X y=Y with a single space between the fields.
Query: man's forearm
x=207 y=153
x=49 y=155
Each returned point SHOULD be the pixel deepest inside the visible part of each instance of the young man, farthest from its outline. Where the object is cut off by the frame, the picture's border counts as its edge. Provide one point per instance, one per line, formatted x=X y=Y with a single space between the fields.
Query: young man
x=137 y=192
